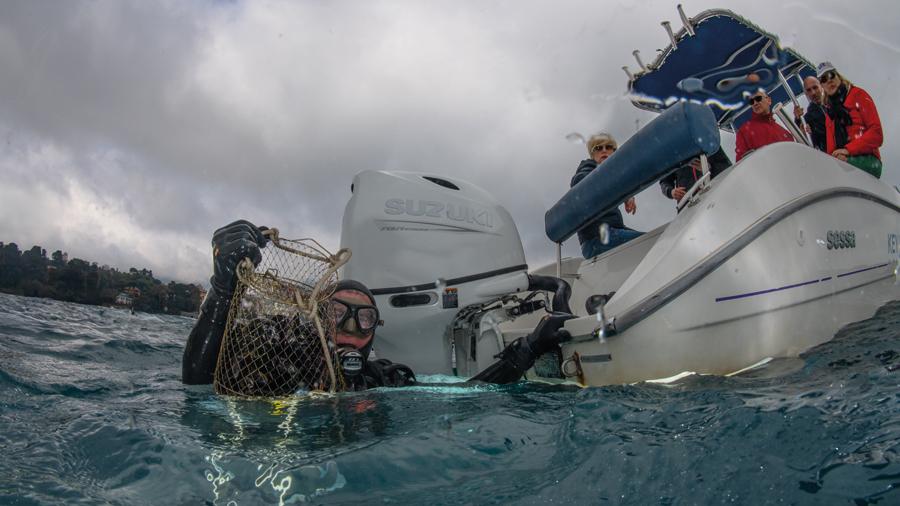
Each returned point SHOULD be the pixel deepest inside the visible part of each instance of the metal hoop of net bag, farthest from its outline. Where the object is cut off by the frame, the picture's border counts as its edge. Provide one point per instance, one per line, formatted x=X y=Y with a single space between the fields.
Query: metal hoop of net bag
x=279 y=337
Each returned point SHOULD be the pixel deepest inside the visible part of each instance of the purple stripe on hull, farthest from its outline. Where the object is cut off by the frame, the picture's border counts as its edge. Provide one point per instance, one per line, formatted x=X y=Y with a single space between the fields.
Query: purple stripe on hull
x=861 y=270
x=795 y=285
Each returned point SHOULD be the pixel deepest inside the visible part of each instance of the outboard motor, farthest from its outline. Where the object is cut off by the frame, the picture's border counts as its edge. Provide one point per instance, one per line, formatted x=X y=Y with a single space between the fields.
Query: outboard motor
x=428 y=246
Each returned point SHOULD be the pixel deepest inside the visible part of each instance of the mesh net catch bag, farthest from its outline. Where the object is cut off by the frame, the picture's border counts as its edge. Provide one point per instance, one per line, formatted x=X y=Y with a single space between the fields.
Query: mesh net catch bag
x=279 y=337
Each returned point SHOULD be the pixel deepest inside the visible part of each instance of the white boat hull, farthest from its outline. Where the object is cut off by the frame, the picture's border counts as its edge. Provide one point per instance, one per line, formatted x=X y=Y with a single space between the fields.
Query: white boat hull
x=707 y=298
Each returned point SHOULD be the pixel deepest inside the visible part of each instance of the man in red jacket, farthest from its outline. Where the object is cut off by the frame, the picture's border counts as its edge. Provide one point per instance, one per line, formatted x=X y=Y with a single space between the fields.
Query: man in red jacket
x=760 y=130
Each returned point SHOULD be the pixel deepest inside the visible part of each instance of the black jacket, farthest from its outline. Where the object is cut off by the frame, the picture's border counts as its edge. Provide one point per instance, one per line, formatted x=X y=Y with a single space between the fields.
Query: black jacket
x=685 y=176
x=815 y=118
x=612 y=218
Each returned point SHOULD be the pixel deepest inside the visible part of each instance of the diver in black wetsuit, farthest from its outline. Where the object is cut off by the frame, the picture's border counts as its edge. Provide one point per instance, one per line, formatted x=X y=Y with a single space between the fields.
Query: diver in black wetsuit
x=356 y=319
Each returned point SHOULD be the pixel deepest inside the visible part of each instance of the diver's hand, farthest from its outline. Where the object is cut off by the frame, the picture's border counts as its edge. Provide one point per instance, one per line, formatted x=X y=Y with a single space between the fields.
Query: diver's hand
x=389 y=374
x=630 y=206
x=549 y=333
x=231 y=244
x=678 y=193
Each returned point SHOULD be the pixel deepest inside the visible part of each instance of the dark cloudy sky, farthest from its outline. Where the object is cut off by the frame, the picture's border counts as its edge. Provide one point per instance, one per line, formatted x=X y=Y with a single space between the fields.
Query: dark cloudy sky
x=130 y=130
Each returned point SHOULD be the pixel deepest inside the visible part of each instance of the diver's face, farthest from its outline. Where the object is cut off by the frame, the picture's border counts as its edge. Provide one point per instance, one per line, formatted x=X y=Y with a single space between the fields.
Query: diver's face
x=348 y=334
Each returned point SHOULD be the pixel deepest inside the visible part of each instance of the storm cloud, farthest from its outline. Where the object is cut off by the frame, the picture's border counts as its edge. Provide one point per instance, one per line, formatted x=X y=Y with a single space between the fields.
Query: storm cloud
x=129 y=131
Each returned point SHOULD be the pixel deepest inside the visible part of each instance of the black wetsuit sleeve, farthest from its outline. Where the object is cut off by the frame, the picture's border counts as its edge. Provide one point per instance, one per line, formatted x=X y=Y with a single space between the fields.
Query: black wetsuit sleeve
x=202 y=350
x=515 y=359
x=519 y=355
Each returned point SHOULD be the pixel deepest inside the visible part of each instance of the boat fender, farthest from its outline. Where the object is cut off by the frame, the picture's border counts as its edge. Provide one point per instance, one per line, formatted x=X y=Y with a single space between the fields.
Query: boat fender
x=560 y=288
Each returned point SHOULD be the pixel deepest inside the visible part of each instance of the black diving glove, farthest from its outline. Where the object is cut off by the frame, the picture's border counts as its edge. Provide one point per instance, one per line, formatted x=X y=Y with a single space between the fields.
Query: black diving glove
x=385 y=373
x=549 y=333
x=519 y=355
x=231 y=244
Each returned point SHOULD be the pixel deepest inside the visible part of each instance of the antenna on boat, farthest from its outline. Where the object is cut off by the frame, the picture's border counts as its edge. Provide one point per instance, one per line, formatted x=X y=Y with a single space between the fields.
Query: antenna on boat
x=559 y=260
x=668 y=27
x=685 y=21
x=628 y=73
x=637 y=56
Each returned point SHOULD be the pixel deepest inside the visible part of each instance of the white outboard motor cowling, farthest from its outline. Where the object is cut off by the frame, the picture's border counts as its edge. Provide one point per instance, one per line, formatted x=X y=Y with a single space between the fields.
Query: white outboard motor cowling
x=427 y=246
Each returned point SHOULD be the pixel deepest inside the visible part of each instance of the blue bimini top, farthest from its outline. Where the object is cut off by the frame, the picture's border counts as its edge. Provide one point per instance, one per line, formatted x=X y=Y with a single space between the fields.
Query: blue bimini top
x=724 y=62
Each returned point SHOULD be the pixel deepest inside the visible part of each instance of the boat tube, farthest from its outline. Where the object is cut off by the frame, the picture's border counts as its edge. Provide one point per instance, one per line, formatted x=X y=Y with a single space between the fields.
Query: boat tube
x=683 y=132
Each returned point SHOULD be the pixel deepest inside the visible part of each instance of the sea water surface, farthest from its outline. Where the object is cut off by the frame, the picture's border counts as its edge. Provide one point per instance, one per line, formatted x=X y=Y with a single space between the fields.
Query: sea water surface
x=92 y=411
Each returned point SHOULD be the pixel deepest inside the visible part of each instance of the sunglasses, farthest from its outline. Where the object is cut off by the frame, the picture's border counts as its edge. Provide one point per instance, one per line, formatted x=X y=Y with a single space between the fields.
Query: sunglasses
x=827 y=77
x=603 y=147
x=366 y=316
x=755 y=100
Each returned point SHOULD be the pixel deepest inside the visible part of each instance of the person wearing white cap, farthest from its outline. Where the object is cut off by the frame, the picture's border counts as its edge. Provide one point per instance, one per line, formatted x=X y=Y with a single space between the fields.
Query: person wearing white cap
x=852 y=126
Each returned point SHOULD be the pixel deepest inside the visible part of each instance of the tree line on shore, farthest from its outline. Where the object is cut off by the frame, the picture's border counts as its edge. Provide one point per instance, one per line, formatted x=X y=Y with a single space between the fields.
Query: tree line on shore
x=31 y=273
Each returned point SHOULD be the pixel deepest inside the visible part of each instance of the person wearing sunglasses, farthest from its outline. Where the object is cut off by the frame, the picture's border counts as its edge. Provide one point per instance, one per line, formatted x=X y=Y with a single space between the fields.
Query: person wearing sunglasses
x=600 y=147
x=852 y=126
x=761 y=129
x=355 y=316
x=815 y=113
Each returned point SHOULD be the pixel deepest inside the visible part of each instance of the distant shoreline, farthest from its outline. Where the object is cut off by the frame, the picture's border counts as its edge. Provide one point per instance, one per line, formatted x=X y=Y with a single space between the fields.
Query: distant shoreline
x=31 y=273
x=185 y=314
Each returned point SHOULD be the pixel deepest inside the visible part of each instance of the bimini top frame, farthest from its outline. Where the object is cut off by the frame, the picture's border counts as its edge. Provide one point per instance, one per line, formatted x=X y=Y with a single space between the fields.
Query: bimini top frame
x=718 y=59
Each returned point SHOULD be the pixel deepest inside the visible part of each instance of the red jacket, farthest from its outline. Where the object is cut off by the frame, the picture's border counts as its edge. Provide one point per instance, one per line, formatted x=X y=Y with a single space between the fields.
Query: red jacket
x=864 y=135
x=759 y=131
